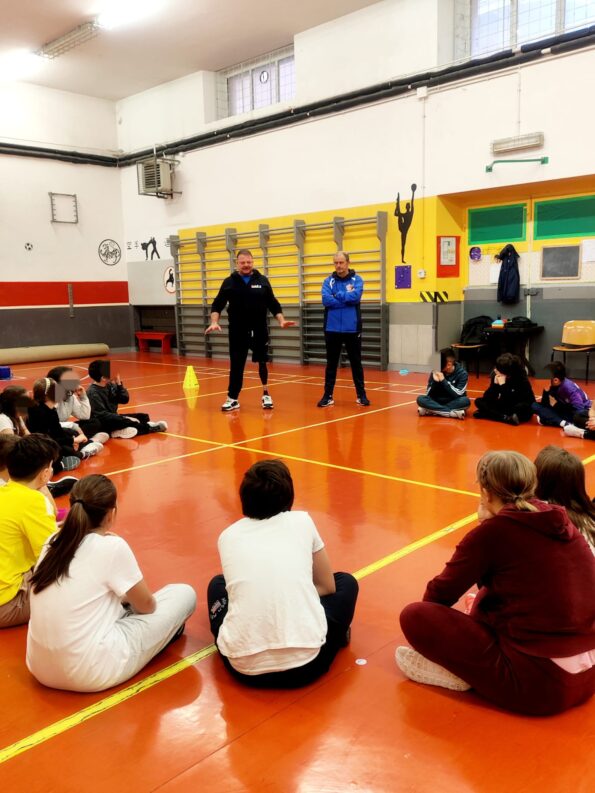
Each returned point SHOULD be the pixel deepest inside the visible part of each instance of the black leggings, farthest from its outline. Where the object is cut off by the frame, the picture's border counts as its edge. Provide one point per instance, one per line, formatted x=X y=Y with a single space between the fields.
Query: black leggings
x=494 y=412
x=339 y=609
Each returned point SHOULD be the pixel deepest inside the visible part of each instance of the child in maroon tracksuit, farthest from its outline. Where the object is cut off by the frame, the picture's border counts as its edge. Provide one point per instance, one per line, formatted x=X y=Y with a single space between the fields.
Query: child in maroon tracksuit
x=528 y=644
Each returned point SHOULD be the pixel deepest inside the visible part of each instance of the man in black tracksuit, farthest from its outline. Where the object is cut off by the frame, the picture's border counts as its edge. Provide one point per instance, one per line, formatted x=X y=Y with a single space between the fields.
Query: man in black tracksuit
x=248 y=296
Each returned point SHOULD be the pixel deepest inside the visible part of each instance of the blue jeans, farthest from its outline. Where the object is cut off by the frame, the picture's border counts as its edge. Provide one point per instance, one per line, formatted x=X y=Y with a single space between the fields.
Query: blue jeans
x=554 y=415
x=459 y=403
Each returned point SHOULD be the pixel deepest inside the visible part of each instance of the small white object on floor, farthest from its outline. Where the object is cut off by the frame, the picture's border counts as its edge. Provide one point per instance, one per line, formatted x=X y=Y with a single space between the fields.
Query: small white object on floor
x=361 y=661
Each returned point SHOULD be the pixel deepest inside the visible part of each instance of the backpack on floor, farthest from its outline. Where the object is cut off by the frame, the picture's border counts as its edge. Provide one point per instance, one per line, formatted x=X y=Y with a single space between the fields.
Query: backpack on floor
x=472 y=330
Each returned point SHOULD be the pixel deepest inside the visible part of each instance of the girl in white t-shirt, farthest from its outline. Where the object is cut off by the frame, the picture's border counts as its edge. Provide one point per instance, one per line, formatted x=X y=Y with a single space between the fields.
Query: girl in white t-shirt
x=278 y=613
x=94 y=622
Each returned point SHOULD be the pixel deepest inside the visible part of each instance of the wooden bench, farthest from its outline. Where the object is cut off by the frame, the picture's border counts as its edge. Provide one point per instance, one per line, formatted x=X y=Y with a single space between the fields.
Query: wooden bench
x=145 y=336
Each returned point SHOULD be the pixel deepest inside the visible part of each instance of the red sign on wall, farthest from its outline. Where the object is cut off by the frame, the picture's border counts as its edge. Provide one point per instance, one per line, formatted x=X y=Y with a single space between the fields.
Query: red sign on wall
x=448 y=256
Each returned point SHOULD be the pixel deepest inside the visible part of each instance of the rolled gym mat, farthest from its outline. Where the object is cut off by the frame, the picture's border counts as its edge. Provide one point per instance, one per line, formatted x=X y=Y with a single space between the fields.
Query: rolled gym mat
x=54 y=352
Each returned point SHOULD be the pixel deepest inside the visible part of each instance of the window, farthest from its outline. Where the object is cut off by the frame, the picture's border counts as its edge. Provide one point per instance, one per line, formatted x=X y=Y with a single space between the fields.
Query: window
x=501 y=24
x=259 y=84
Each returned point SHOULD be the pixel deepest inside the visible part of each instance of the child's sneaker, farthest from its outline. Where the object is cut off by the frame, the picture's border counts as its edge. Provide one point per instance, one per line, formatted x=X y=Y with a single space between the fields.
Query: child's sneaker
x=326 y=401
x=457 y=414
x=267 y=402
x=91 y=449
x=416 y=667
x=100 y=437
x=125 y=432
x=423 y=411
x=69 y=463
x=230 y=404
x=158 y=426
x=573 y=432
x=62 y=486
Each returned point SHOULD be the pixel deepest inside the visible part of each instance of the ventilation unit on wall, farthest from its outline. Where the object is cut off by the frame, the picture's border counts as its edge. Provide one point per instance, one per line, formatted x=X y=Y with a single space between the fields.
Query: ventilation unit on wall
x=534 y=140
x=156 y=177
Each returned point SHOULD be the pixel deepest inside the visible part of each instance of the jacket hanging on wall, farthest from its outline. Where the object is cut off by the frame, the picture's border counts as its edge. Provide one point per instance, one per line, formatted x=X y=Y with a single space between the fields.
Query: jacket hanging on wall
x=509 y=280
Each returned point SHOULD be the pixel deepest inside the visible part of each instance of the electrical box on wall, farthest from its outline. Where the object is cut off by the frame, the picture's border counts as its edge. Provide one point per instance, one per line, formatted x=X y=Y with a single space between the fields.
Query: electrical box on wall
x=156 y=177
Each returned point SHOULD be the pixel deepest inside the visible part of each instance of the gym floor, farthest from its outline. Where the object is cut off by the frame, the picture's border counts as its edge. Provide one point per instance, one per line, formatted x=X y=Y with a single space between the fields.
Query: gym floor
x=391 y=494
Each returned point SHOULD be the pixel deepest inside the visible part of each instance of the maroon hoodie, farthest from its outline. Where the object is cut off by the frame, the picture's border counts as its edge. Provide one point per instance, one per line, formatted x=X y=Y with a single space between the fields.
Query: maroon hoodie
x=536 y=576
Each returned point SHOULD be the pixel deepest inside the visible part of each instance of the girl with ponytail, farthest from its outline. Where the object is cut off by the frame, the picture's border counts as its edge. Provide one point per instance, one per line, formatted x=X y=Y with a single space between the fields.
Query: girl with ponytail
x=94 y=621
x=528 y=644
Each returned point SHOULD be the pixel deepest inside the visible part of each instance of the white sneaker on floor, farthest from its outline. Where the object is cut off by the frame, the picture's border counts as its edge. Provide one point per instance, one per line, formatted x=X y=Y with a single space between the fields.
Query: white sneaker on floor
x=230 y=404
x=422 y=412
x=573 y=432
x=267 y=402
x=538 y=419
x=417 y=668
x=126 y=432
x=159 y=425
x=457 y=414
x=91 y=449
x=100 y=437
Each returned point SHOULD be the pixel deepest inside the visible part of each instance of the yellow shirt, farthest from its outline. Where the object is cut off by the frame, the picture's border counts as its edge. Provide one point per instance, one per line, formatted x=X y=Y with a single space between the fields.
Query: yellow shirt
x=26 y=522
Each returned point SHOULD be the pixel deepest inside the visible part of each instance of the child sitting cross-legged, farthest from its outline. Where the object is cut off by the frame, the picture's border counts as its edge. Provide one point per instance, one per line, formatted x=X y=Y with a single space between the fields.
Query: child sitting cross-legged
x=94 y=621
x=278 y=613
x=447 y=390
x=105 y=394
x=561 y=402
x=27 y=519
x=43 y=418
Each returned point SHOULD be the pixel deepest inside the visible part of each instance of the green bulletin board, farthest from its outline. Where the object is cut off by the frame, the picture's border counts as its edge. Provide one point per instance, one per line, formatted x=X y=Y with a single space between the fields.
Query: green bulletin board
x=497 y=224
x=566 y=217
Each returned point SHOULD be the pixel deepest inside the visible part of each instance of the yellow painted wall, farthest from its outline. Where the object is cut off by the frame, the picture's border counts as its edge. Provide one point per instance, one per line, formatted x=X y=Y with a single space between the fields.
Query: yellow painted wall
x=433 y=216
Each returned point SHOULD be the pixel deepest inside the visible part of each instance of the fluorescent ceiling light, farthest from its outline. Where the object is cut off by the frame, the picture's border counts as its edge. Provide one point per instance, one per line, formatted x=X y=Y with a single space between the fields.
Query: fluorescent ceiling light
x=117 y=13
x=70 y=40
x=19 y=65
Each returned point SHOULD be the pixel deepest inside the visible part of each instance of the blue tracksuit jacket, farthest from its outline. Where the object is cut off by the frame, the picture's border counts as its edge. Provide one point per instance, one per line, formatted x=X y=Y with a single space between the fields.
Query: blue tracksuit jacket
x=341 y=299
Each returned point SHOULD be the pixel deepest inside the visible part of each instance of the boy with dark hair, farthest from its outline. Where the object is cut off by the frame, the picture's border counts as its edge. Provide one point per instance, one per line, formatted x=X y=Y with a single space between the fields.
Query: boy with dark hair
x=26 y=521
x=7 y=443
x=562 y=400
x=446 y=395
x=509 y=397
x=105 y=394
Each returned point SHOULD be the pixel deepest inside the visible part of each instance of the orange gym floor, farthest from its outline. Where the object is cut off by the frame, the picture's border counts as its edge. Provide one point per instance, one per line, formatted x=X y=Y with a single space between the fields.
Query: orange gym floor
x=391 y=494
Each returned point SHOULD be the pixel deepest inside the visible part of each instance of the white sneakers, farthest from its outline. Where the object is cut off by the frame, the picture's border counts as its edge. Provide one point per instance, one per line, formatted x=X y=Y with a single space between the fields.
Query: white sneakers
x=126 y=432
x=573 y=432
x=230 y=404
x=91 y=449
x=417 y=668
x=447 y=414
x=100 y=437
x=267 y=402
x=160 y=426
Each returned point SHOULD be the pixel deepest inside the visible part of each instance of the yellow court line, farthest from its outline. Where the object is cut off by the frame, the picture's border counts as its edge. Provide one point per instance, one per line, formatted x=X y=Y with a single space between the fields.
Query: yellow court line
x=58 y=727
x=414 y=546
x=355 y=470
x=162 y=460
x=361 y=413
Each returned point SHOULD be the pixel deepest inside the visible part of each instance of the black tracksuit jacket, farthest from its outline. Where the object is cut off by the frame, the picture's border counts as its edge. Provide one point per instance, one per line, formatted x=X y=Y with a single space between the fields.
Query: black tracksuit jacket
x=247 y=305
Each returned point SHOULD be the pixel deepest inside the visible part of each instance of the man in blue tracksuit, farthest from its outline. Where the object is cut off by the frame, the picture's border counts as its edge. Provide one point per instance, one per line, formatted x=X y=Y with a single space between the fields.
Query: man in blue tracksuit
x=341 y=297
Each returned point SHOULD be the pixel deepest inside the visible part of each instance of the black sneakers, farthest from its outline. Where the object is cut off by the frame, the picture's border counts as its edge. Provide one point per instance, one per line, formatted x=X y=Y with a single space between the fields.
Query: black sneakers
x=363 y=400
x=326 y=401
x=62 y=486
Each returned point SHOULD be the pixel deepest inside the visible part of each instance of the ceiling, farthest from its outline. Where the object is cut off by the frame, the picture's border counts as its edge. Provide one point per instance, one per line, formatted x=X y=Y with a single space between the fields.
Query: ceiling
x=184 y=37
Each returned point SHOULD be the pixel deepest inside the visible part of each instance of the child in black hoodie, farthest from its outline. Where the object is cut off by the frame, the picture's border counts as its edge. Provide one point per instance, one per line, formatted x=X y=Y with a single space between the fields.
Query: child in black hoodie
x=509 y=398
x=105 y=394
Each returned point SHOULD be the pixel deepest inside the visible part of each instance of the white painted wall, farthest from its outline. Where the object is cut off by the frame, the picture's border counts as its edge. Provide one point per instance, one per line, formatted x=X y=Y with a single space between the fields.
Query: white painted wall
x=60 y=251
x=385 y=40
x=32 y=114
x=174 y=110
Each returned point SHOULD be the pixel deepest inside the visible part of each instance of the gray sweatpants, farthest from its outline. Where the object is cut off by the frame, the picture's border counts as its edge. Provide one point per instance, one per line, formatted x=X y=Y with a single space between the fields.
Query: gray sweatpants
x=147 y=634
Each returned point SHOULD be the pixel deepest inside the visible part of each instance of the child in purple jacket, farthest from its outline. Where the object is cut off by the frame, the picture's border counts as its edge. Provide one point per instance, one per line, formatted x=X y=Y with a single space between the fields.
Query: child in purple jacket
x=562 y=400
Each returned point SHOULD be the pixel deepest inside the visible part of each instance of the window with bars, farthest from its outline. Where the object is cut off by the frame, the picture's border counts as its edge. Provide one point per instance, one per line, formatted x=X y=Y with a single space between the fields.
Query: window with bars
x=261 y=84
x=501 y=24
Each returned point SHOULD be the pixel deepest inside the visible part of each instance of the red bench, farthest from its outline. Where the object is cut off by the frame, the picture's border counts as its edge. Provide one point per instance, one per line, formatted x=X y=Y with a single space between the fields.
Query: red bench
x=144 y=337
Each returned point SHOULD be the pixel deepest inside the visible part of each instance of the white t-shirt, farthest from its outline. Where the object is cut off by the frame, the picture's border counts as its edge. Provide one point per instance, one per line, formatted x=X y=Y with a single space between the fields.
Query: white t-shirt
x=6 y=423
x=275 y=619
x=72 y=641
